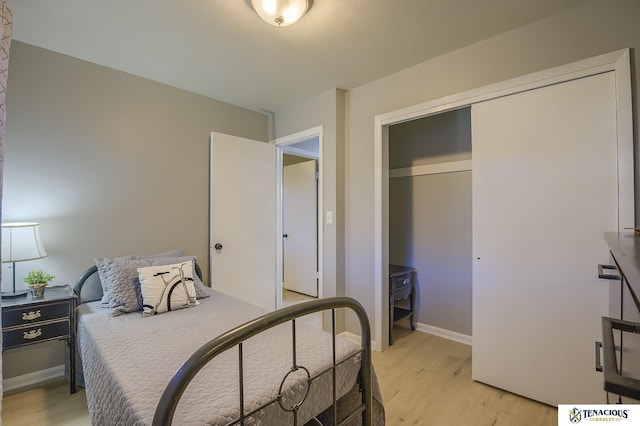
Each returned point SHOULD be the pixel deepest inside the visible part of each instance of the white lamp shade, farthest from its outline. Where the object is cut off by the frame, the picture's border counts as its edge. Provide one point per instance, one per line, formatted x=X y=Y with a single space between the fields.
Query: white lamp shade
x=21 y=241
x=280 y=12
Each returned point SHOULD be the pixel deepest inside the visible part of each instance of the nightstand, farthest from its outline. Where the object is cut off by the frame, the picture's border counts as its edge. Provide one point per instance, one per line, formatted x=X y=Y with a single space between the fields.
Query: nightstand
x=402 y=296
x=27 y=321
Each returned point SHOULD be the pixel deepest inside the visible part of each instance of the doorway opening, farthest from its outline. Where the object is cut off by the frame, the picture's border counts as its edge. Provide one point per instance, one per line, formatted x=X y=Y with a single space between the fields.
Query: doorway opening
x=299 y=224
x=300 y=227
x=430 y=221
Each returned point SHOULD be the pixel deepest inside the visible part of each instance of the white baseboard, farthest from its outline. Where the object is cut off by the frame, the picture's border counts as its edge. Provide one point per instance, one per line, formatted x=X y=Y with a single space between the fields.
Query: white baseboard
x=445 y=334
x=351 y=336
x=424 y=328
x=32 y=378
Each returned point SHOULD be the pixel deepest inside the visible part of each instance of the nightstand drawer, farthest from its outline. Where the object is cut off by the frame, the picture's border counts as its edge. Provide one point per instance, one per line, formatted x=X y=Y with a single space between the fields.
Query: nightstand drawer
x=401 y=286
x=36 y=333
x=25 y=315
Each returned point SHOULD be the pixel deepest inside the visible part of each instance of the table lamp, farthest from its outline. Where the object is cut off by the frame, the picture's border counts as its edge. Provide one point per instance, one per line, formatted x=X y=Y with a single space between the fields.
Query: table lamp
x=20 y=242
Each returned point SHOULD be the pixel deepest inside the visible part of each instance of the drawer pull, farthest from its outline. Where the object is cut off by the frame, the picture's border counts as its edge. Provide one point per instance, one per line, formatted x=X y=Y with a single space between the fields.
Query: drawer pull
x=31 y=315
x=598 y=362
x=32 y=334
x=604 y=276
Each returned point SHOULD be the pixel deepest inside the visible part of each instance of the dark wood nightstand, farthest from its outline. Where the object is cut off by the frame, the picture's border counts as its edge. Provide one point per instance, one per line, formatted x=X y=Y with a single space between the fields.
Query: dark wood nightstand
x=27 y=321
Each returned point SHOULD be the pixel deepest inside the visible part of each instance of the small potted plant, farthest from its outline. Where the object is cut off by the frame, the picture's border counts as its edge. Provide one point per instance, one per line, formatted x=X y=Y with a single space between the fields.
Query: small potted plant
x=37 y=280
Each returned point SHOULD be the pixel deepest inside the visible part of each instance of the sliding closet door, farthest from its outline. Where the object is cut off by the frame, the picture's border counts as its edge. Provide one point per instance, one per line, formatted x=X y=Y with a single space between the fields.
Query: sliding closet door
x=544 y=191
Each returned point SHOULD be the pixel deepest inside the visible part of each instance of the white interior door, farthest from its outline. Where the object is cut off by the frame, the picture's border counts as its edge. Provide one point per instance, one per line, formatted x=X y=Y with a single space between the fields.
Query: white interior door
x=243 y=219
x=299 y=217
x=544 y=191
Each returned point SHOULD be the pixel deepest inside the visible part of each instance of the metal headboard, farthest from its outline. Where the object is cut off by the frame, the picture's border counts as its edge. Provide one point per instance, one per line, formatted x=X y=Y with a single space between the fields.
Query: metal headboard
x=173 y=392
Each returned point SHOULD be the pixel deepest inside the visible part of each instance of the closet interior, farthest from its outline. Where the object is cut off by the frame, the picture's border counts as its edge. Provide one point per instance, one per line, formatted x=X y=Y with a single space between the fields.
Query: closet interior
x=430 y=216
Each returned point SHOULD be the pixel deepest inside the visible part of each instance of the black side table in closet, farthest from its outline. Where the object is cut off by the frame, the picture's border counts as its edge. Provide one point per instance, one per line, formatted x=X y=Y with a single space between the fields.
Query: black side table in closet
x=402 y=288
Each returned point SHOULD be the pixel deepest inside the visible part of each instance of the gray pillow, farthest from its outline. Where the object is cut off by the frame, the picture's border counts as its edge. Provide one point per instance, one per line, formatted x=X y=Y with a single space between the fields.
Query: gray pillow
x=104 y=280
x=124 y=285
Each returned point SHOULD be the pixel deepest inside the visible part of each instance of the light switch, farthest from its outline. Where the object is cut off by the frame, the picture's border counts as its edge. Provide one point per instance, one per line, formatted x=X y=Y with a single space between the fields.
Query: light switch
x=329 y=217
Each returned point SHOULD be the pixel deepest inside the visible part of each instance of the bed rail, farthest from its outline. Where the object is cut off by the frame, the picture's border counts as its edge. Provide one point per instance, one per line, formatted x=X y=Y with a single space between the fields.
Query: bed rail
x=171 y=396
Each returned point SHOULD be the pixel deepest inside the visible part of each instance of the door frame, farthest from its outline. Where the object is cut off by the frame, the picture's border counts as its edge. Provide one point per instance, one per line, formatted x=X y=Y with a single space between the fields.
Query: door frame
x=283 y=145
x=618 y=62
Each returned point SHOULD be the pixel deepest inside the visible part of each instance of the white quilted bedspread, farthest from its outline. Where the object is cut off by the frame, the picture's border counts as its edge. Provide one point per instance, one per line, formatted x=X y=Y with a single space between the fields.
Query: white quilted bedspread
x=128 y=360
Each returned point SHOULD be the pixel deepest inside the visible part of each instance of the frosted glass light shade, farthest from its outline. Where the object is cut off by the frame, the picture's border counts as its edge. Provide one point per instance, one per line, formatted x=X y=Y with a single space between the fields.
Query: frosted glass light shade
x=21 y=241
x=280 y=12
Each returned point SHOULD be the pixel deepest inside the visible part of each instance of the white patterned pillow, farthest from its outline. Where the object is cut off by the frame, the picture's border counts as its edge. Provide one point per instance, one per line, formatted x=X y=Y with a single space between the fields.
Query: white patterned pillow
x=167 y=288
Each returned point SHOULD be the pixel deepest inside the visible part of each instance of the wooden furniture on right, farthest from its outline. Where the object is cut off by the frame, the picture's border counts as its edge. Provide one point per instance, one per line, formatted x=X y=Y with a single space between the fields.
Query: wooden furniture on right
x=402 y=288
x=621 y=329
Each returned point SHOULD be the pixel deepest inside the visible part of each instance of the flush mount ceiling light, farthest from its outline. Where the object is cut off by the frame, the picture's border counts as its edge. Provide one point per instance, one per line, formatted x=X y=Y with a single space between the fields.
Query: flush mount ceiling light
x=280 y=12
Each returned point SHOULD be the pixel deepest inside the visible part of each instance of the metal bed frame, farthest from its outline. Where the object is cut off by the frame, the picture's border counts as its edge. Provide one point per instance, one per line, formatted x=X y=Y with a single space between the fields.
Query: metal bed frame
x=167 y=405
x=234 y=338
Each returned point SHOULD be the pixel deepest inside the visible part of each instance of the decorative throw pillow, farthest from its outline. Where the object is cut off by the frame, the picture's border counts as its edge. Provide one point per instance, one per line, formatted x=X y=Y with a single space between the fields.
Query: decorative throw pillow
x=104 y=279
x=167 y=288
x=124 y=293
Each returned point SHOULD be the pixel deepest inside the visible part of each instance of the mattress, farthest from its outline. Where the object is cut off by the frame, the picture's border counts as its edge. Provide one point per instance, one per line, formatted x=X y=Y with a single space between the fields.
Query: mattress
x=128 y=360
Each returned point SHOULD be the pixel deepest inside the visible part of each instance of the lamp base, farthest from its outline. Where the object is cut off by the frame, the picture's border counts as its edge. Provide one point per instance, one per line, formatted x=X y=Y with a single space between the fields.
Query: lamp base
x=14 y=294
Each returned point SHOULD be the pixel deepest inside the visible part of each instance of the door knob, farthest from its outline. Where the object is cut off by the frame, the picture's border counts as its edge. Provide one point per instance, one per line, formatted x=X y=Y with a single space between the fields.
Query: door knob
x=285 y=235
x=218 y=246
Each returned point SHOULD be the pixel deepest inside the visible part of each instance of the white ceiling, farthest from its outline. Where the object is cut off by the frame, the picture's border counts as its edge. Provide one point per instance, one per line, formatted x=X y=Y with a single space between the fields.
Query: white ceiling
x=222 y=49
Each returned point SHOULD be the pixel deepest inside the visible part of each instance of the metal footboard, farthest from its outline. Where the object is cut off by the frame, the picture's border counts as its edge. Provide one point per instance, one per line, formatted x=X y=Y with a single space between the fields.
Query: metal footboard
x=176 y=387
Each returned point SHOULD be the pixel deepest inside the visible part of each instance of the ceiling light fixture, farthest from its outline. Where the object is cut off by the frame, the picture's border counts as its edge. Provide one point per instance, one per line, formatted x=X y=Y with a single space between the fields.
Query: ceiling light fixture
x=280 y=12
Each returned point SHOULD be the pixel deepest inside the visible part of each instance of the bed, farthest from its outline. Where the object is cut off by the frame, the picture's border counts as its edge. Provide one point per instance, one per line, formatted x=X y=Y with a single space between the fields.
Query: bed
x=222 y=362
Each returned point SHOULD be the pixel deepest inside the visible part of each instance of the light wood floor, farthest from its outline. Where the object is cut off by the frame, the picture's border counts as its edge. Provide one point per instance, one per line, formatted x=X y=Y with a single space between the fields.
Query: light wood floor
x=291 y=297
x=425 y=380
x=48 y=404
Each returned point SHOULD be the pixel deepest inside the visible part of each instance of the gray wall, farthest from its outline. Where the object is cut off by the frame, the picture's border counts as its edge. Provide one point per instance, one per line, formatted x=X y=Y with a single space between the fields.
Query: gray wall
x=594 y=28
x=110 y=164
x=430 y=217
x=326 y=109
x=439 y=138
